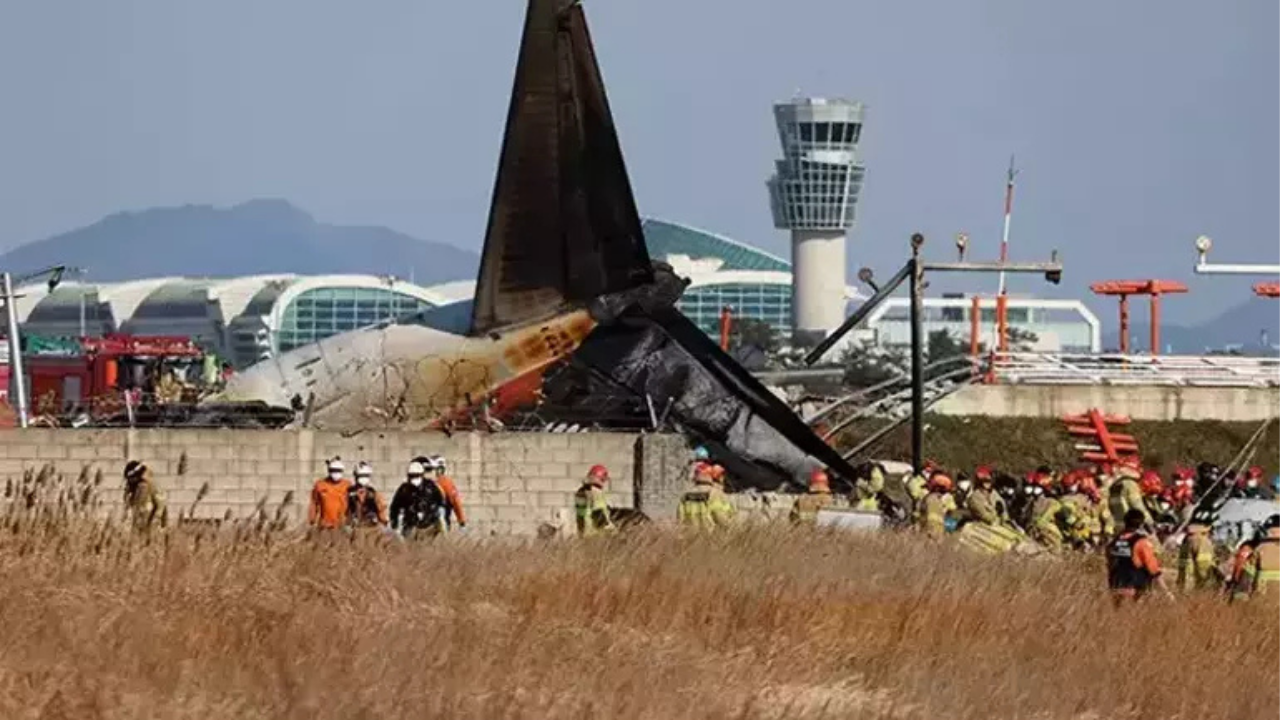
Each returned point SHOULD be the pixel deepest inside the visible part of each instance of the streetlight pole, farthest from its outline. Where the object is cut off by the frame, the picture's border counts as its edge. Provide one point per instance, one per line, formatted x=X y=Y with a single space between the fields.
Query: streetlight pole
x=17 y=381
x=917 y=354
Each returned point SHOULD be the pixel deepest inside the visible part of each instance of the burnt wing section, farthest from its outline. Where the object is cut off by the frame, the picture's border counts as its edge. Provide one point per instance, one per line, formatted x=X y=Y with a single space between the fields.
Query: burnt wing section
x=563 y=227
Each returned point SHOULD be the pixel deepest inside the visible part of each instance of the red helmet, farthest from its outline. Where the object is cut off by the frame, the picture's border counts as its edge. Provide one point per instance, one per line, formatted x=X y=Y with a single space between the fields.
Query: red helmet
x=598 y=474
x=717 y=473
x=1151 y=484
x=1071 y=481
x=941 y=481
x=1181 y=494
x=982 y=472
x=1182 y=472
x=1254 y=472
x=818 y=480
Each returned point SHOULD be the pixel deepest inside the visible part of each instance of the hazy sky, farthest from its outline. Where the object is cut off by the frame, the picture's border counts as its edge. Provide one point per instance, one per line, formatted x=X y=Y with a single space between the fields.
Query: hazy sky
x=1138 y=124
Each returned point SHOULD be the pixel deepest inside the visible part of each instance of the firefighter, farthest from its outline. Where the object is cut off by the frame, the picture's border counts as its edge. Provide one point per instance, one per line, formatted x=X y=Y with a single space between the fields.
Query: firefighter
x=591 y=504
x=1125 y=494
x=417 y=507
x=1043 y=514
x=1197 y=568
x=867 y=487
x=984 y=504
x=438 y=471
x=1266 y=559
x=918 y=483
x=1182 y=495
x=1249 y=485
x=1152 y=488
x=144 y=502
x=365 y=505
x=1132 y=565
x=804 y=511
x=1079 y=518
x=328 y=508
x=937 y=506
x=706 y=507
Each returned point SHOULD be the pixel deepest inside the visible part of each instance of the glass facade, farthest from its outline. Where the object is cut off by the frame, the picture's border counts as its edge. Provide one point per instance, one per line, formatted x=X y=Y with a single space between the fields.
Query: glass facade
x=667 y=238
x=816 y=184
x=317 y=314
x=768 y=303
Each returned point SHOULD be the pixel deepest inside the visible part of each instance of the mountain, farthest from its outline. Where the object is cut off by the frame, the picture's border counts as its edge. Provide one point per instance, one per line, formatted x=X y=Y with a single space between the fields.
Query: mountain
x=1241 y=325
x=259 y=236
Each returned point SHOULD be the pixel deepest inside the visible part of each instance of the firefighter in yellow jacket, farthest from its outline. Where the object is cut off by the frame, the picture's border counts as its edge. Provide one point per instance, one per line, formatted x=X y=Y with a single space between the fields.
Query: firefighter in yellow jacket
x=706 y=507
x=1045 y=511
x=1197 y=567
x=1125 y=493
x=591 y=504
x=805 y=509
x=935 y=507
x=144 y=502
x=1079 y=519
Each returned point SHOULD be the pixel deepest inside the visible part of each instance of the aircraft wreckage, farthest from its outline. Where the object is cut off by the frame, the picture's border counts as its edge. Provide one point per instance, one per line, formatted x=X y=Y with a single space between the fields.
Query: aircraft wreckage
x=568 y=303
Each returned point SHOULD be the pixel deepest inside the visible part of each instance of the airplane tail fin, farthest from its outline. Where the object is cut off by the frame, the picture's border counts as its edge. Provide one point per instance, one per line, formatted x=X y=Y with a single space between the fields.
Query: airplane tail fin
x=563 y=226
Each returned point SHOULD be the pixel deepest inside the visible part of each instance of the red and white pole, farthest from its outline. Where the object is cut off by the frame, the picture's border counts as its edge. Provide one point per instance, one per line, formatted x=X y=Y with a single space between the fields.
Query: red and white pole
x=1008 y=219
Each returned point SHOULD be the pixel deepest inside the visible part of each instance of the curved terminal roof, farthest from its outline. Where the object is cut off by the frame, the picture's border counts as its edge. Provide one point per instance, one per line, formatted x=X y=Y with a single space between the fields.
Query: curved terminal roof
x=666 y=238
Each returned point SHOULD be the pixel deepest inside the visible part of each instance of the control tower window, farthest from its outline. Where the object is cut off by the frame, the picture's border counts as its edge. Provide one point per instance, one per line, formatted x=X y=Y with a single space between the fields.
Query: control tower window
x=806 y=132
x=822 y=131
x=857 y=131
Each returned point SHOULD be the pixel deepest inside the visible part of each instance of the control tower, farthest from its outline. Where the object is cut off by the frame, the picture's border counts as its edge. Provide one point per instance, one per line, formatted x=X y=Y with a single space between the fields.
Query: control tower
x=814 y=193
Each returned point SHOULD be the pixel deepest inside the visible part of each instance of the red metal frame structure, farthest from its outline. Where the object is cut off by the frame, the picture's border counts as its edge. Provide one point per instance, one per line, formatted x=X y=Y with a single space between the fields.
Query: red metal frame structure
x=726 y=326
x=1108 y=446
x=1125 y=288
x=1271 y=290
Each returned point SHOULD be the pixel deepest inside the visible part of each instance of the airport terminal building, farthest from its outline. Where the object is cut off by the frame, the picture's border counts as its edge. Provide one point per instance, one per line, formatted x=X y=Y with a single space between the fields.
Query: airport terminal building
x=247 y=319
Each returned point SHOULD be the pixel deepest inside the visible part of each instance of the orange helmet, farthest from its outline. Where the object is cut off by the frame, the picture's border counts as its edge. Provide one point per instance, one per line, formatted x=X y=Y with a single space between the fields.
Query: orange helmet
x=598 y=474
x=941 y=481
x=1151 y=484
x=703 y=472
x=717 y=473
x=818 y=480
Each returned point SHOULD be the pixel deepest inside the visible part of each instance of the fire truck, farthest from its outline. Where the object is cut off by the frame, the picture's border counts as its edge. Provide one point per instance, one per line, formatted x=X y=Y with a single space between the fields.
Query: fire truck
x=105 y=377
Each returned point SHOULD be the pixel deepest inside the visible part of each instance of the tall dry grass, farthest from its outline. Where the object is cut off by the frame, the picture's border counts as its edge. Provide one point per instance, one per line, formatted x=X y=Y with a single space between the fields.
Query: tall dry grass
x=249 y=622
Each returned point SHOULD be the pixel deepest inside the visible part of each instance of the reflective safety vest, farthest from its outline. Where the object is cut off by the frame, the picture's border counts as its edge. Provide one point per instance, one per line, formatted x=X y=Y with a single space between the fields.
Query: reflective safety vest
x=591 y=508
x=1122 y=573
x=705 y=508
x=806 y=507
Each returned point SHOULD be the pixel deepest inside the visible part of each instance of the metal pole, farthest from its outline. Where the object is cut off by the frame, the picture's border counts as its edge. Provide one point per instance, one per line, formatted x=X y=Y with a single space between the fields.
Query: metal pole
x=975 y=317
x=17 y=383
x=917 y=357
x=1155 y=324
x=1124 y=324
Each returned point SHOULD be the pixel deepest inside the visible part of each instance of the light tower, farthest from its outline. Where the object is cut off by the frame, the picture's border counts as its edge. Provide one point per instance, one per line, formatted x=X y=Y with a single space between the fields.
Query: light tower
x=814 y=194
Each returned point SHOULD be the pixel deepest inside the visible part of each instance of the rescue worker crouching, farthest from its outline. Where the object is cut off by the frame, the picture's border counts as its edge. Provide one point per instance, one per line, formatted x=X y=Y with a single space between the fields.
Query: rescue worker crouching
x=706 y=507
x=1043 y=514
x=328 y=508
x=366 y=506
x=144 y=503
x=416 y=509
x=867 y=488
x=804 y=511
x=937 y=505
x=1132 y=565
x=1079 y=518
x=984 y=504
x=591 y=504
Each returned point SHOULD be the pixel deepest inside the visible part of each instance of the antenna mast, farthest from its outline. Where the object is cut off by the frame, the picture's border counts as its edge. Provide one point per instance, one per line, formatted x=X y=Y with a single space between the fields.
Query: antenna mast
x=1008 y=218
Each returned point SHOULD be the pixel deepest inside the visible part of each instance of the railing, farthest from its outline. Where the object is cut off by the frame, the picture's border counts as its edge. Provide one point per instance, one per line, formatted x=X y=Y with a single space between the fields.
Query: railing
x=1171 y=370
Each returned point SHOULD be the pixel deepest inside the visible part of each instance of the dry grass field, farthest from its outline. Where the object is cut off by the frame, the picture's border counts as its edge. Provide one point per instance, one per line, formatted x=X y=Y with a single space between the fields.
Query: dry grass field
x=248 y=623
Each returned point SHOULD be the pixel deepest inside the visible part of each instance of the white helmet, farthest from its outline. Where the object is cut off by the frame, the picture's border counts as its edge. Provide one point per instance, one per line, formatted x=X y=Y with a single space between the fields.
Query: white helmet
x=335 y=465
x=438 y=464
x=416 y=469
x=364 y=469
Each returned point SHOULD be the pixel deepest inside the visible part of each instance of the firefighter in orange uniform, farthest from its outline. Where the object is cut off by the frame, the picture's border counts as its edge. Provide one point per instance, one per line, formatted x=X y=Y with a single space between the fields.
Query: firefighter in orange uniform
x=328 y=509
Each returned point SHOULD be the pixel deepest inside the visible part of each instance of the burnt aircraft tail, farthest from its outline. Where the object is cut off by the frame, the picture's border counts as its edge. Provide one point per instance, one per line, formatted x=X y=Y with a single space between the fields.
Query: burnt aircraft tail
x=563 y=227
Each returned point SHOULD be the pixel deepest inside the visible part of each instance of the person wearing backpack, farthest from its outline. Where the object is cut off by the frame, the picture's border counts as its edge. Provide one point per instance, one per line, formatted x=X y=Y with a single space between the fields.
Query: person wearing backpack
x=416 y=508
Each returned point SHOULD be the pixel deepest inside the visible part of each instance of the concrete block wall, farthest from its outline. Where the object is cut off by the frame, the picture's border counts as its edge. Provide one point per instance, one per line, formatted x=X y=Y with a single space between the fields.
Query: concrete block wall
x=1140 y=402
x=510 y=483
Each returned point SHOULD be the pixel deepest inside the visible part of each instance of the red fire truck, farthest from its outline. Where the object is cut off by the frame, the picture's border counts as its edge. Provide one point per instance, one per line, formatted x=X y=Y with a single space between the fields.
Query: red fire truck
x=98 y=376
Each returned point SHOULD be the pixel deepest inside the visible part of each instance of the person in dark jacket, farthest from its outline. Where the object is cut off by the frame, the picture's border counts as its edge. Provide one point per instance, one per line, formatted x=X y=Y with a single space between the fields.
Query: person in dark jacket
x=416 y=507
